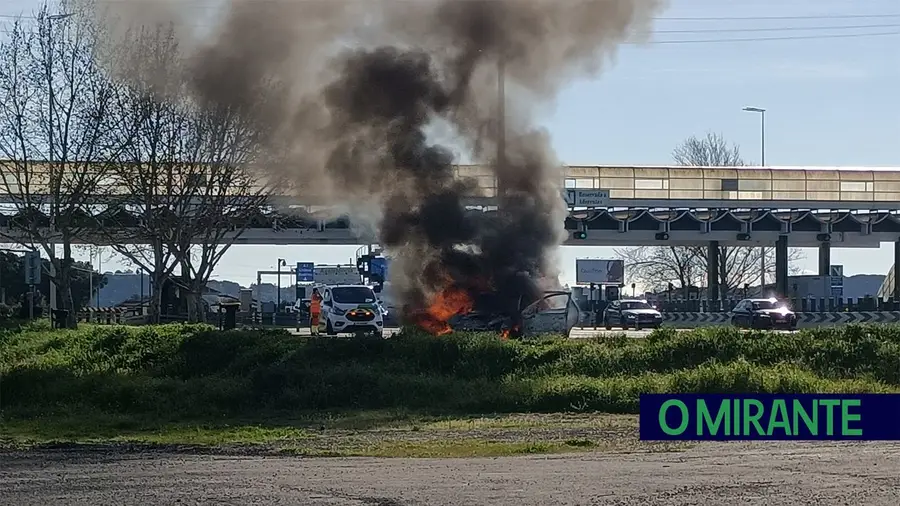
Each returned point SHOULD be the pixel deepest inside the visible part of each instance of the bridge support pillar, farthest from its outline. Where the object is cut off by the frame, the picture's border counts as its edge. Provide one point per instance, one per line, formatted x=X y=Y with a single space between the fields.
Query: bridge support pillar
x=712 y=275
x=781 y=266
x=896 y=271
x=825 y=259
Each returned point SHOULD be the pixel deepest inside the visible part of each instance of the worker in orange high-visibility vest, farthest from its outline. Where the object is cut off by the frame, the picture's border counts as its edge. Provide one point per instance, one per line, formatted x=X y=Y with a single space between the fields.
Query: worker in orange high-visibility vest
x=315 y=311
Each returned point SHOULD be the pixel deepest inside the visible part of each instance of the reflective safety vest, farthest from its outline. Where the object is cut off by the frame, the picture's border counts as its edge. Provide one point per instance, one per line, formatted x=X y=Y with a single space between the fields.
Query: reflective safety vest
x=315 y=304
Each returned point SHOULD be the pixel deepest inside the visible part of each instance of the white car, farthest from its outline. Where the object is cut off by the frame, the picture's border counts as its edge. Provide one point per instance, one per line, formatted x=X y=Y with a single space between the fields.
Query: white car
x=351 y=309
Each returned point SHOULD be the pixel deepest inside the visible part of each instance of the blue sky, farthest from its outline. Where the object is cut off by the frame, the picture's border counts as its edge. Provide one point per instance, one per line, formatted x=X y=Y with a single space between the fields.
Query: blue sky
x=831 y=101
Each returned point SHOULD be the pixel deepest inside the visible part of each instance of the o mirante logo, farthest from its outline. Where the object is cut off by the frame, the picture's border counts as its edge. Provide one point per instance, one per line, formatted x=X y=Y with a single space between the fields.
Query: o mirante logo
x=769 y=416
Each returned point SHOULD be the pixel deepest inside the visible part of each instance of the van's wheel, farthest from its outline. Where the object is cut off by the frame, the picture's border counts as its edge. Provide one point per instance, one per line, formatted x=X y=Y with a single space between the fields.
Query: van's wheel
x=329 y=330
x=607 y=325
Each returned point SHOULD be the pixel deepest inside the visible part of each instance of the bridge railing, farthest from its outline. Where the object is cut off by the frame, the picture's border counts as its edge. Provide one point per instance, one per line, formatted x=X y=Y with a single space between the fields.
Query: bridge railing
x=827 y=184
x=744 y=183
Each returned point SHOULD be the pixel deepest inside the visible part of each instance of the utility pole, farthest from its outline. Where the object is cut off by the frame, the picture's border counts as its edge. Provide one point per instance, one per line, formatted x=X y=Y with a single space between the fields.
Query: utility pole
x=281 y=263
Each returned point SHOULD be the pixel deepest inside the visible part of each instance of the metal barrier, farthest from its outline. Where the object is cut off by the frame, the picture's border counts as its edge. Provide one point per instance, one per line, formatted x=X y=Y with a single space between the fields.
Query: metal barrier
x=103 y=315
x=797 y=304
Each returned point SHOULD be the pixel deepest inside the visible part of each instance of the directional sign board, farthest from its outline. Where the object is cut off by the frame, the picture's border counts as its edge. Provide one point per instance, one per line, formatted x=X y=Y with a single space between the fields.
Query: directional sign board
x=837 y=291
x=378 y=267
x=837 y=276
x=586 y=198
x=306 y=272
x=32 y=267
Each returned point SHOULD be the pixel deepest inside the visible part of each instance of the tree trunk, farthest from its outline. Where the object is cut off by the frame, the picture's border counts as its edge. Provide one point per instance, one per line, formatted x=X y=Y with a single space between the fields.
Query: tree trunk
x=156 y=293
x=68 y=300
x=191 y=303
x=156 y=281
x=64 y=289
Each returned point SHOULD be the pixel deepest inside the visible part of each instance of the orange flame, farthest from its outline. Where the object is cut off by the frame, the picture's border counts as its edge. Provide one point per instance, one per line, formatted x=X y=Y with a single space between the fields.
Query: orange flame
x=448 y=303
x=506 y=333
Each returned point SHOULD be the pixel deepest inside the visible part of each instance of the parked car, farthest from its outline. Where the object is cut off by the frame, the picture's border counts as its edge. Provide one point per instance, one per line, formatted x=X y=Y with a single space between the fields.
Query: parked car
x=631 y=313
x=763 y=314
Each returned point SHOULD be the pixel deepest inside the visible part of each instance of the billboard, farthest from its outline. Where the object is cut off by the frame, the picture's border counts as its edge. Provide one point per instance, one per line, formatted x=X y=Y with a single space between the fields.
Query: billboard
x=337 y=275
x=603 y=272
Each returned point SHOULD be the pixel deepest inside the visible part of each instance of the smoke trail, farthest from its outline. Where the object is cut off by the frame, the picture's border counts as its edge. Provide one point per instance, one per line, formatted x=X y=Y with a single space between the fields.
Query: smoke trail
x=349 y=89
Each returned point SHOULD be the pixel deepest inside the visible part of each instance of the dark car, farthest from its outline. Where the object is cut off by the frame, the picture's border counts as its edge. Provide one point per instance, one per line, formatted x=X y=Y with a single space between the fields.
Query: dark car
x=763 y=314
x=631 y=314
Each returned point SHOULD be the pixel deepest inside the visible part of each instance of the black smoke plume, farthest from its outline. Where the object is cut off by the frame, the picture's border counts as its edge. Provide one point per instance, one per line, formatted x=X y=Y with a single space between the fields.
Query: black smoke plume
x=349 y=90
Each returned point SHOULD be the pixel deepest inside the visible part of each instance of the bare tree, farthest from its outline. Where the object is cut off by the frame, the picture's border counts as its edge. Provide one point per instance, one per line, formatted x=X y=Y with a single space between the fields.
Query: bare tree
x=183 y=171
x=656 y=267
x=710 y=151
x=226 y=195
x=686 y=266
x=146 y=192
x=54 y=101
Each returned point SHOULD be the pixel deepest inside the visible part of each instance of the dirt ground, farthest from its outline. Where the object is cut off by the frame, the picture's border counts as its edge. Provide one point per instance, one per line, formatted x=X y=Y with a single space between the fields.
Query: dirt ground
x=707 y=474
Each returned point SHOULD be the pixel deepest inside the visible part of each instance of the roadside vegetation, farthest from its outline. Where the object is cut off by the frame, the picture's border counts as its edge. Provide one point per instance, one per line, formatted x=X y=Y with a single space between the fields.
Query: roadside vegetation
x=192 y=384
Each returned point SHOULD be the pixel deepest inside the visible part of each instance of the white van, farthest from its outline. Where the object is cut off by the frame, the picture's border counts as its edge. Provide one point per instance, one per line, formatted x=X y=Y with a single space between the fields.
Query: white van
x=350 y=309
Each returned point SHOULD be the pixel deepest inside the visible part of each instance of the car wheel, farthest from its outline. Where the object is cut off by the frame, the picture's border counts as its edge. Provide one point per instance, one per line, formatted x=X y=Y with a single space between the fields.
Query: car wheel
x=624 y=326
x=606 y=324
x=329 y=330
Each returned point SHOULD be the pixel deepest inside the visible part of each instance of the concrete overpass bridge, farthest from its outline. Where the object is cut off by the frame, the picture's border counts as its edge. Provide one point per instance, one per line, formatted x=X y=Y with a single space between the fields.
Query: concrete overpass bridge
x=822 y=207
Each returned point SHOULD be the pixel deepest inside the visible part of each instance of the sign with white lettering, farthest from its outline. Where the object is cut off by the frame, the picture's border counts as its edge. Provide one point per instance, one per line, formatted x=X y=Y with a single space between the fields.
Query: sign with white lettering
x=603 y=272
x=586 y=198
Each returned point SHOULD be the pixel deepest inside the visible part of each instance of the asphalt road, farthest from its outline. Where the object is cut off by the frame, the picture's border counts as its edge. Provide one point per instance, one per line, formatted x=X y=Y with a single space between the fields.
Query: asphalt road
x=577 y=333
x=710 y=474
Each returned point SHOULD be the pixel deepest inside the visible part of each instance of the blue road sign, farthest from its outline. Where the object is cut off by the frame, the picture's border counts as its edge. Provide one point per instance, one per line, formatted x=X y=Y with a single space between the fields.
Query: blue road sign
x=378 y=266
x=306 y=272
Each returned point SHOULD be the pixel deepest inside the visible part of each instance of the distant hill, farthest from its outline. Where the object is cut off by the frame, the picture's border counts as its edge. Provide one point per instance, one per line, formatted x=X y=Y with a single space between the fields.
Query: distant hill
x=862 y=285
x=124 y=285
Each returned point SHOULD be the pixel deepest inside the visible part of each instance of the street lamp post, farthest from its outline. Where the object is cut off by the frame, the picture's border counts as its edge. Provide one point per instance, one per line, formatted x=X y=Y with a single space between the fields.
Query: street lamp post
x=52 y=152
x=762 y=143
x=281 y=263
x=762 y=147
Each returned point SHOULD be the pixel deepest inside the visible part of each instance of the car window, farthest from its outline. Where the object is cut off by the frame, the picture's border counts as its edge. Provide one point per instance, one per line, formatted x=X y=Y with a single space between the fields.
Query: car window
x=767 y=304
x=353 y=295
x=636 y=304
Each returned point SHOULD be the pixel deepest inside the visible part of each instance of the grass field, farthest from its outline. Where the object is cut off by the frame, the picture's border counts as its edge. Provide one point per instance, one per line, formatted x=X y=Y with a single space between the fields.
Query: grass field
x=463 y=394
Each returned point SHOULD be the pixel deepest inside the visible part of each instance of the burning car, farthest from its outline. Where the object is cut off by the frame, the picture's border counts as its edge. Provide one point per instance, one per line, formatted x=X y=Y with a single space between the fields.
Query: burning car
x=556 y=312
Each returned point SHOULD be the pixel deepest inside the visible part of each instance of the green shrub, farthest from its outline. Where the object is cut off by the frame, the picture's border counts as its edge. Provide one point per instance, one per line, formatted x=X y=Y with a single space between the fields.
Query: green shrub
x=195 y=370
